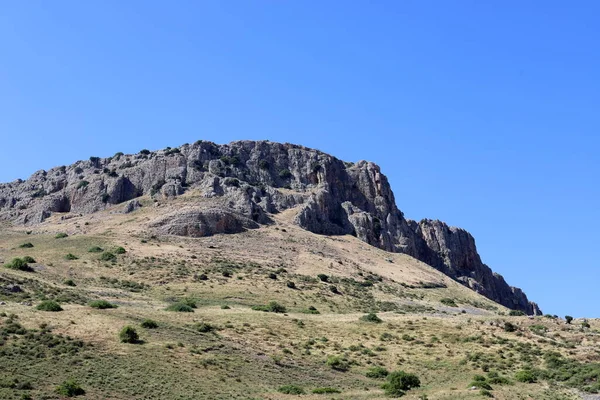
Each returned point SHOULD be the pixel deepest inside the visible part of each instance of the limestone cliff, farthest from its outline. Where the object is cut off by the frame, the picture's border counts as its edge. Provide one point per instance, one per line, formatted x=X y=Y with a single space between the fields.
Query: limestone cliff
x=247 y=181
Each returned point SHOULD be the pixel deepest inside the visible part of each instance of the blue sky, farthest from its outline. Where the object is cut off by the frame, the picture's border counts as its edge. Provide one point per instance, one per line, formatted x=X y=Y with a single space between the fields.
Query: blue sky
x=481 y=115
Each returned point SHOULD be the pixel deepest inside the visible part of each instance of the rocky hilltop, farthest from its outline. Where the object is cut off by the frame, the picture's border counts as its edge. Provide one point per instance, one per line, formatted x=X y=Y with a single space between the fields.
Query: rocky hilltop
x=241 y=184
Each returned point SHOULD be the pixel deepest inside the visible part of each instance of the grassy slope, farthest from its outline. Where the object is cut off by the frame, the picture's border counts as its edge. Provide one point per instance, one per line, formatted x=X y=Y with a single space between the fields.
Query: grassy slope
x=250 y=353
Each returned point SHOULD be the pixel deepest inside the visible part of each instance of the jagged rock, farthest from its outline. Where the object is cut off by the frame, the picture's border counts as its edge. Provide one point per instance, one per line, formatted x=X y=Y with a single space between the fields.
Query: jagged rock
x=131 y=206
x=194 y=222
x=252 y=179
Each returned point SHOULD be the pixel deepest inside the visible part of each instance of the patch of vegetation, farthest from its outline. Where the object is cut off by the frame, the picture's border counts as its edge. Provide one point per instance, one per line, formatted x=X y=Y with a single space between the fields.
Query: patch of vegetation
x=326 y=390
x=448 y=302
x=102 y=304
x=95 y=249
x=27 y=245
x=291 y=389
x=285 y=174
x=70 y=282
x=398 y=382
x=18 y=264
x=525 y=376
x=49 y=305
x=149 y=324
x=311 y=310
x=180 y=307
x=120 y=250
x=204 y=327
x=71 y=257
x=128 y=335
x=61 y=235
x=323 y=277
x=338 y=363
x=29 y=259
x=516 y=313
x=70 y=388
x=273 y=306
x=108 y=256
x=377 y=373
x=372 y=318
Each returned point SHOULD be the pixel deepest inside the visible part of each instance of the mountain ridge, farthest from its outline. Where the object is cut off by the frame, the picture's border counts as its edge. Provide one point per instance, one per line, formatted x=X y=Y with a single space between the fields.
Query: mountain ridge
x=250 y=180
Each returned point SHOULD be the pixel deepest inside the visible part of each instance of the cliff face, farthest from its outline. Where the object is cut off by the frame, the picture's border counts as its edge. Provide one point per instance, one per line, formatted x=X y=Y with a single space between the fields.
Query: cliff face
x=245 y=182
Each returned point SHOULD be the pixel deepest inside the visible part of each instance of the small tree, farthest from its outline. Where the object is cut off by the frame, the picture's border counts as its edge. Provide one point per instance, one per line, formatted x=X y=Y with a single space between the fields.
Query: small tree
x=128 y=335
x=568 y=318
x=399 y=381
x=70 y=388
x=49 y=305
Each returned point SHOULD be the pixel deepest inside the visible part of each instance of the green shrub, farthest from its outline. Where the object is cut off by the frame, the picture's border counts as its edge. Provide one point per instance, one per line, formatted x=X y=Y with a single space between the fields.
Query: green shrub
x=291 y=285
x=71 y=257
x=399 y=381
x=510 y=327
x=149 y=324
x=496 y=379
x=291 y=389
x=273 y=306
x=285 y=174
x=486 y=393
x=377 y=373
x=18 y=264
x=225 y=307
x=449 y=302
x=338 y=363
x=516 y=313
x=82 y=184
x=95 y=249
x=49 y=305
x=28 y=259
x=61 y=235
x=108 y=256
x=372 y=318
x=480 y=384
x=26 y=245
x=102 y=304
x=323 y=278
x=325 y=390
x=525 y=376
x=311 y=310
x=128 y=335
x=70 y=388
x=180 y=307
x=120 y=250
x=568 y=318
x=204 y=327
x=69 y=282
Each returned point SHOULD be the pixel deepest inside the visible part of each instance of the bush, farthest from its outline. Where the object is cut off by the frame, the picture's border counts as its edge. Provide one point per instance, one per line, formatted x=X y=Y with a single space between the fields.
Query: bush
x=149 y=324
x=377 y=373
x=202 y=277
x=263 y=164
x=28 y=259
x=334 y=290
x=95 y=249
x=291 y=389
x=180 y=307
x=49 y=305
x=71 y=257
x=568 y=318
x=272 y=275
x=145 y=152
x=516 y=313
x=325 y=390
x=69 y=282
x=128 y=335
x=273 y=306
x=120 y=250
x=70 y=388
x=525 y=376
x=323 y=277
x=399 y=381
x=338 y=363
x=61 y=235
x=26 y=245
x=225 y=307
x=291 y=285
x=480 y=384
x=285 y=174
x=509 y=327
x=311 y=310
x=18 y=264
x=203 y=327
x=102 y=304
x=486 y=393
x=448 y=302
x=372 y=318
x=108 y=256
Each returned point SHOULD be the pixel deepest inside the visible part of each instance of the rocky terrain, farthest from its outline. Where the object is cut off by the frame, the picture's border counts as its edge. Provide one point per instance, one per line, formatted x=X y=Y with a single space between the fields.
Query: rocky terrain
x=247 y=182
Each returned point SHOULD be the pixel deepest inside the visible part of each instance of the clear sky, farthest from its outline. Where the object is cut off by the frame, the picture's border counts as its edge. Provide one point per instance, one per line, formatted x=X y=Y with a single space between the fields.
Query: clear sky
x=483 y=114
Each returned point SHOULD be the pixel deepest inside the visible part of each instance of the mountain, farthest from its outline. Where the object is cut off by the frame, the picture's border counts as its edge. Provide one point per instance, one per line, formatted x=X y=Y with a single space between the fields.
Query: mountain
x=242 y=185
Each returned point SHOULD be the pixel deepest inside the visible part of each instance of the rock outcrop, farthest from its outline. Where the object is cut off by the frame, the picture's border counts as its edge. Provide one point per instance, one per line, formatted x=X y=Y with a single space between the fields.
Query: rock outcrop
x=250 y=180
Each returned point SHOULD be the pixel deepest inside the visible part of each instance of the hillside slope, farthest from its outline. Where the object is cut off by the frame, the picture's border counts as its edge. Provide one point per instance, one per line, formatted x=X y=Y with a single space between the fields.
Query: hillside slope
x=252 y=181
